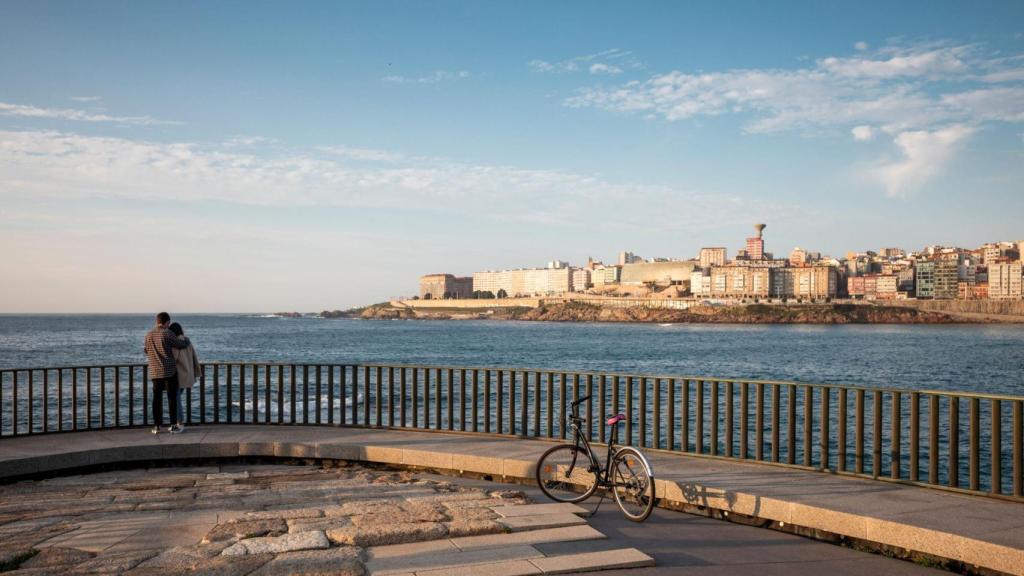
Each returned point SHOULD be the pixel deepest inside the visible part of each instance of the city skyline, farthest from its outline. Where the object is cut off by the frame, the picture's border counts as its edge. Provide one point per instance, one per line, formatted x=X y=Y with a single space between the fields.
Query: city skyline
x=206 y=158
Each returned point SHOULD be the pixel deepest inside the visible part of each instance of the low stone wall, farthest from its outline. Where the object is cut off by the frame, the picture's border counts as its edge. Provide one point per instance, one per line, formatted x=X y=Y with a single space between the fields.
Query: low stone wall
x=468 y=304
x=1004 y=307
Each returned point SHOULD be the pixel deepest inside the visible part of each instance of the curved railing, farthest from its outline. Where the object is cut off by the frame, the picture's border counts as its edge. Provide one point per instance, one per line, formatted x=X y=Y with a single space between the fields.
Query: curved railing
x=956 y=441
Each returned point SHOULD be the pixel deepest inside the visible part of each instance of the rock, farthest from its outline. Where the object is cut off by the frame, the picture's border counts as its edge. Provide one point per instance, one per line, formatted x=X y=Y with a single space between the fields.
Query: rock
x=12 y=556
x=277 y=544
x=381 y=534
x=508 y=494
x=344 y=561
x=243 y=528
x=54 y=557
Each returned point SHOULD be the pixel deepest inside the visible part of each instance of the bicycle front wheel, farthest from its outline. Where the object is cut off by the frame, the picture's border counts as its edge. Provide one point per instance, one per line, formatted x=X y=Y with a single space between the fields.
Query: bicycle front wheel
x=633 y=484
x=564 y=474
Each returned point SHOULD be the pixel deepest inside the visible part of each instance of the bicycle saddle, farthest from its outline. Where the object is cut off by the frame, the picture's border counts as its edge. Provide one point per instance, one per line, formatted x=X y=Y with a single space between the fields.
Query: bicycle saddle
x=615 y=419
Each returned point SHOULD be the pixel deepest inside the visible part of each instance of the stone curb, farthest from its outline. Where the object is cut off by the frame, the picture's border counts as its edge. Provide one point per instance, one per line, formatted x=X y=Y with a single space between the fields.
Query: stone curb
x=970 y=551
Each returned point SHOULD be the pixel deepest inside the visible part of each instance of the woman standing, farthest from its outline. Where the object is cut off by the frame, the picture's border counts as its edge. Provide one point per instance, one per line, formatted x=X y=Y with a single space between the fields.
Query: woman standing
x=187 y=363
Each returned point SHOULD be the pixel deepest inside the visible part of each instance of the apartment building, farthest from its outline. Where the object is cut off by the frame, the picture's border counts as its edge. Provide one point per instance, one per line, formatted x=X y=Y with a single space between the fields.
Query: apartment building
x=1004 y=280
x=712 y=257
x=440 y=286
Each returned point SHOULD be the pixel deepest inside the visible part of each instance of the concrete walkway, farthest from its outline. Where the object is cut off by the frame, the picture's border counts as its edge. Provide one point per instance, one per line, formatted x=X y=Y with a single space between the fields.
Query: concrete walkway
x=976 y=531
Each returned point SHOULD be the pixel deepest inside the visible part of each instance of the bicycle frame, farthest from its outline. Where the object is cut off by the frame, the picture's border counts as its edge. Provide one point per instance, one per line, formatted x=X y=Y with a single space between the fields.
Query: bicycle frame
x=580 y=441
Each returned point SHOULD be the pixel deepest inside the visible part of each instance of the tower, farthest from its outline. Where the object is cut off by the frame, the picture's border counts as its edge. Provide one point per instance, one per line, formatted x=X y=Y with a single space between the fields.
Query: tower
x=755 y=245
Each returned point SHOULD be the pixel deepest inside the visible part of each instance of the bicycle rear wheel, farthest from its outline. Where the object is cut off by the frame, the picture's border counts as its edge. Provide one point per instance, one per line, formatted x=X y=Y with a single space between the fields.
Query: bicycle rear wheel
x=633 y=484
x=564 y=475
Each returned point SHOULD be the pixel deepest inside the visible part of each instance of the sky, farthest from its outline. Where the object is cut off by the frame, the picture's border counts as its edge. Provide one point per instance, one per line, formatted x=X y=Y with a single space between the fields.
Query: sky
x=276 y=156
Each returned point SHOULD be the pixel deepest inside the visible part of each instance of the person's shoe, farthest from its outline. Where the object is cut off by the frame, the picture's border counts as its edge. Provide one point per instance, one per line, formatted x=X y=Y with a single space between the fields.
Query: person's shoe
x=155 y=430
x=172 y=430
x=181 y=427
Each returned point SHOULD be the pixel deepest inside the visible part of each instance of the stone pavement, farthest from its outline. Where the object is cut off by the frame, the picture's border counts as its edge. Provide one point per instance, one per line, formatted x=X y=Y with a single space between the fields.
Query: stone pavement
x=278 y=520
x=971 y=530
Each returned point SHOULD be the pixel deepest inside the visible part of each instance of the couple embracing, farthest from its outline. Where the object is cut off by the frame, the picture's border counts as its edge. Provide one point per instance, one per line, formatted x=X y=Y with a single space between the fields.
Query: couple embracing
x=173 y=368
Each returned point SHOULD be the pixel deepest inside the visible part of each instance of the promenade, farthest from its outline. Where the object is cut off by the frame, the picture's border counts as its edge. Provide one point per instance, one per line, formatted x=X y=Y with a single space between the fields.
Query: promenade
x=973 y=531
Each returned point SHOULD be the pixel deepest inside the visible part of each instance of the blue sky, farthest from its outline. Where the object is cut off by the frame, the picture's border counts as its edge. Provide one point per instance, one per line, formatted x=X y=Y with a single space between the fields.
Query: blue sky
x=256 y=156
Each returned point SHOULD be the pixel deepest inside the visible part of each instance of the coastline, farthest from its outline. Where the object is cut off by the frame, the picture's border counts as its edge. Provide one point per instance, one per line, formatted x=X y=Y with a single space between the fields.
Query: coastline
x=738 y=314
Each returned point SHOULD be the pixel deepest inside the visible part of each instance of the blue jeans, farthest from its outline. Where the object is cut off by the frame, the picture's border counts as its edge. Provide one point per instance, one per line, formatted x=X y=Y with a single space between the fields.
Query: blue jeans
x=181 y=411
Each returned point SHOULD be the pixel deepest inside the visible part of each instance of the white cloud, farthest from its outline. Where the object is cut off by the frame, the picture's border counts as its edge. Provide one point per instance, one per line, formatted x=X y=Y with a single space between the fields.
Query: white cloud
x=436 y=77
x=51 y=164
x=606 y=62
x=925 y=154
x=368 y=154
x=863 y=133
x=23 y=111
x=86 y=98
x=895 y=88
x=602 y=68
x=861 y=45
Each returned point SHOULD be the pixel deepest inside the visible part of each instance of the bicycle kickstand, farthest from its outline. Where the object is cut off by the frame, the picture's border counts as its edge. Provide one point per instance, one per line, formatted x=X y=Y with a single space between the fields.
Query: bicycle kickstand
x=598 y=507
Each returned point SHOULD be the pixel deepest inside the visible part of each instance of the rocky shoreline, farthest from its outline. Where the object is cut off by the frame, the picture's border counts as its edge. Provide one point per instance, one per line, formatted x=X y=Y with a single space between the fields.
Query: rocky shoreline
x=740 y=314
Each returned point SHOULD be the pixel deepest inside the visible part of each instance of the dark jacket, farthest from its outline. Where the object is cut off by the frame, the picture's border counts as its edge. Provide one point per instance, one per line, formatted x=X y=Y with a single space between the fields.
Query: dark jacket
x=158 y=346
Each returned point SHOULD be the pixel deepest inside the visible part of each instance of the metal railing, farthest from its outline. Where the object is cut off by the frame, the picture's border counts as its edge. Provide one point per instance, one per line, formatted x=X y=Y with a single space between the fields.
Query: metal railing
x=958 y=441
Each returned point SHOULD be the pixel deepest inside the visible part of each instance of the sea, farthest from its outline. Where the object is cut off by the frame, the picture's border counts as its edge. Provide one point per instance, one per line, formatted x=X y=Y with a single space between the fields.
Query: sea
x=968 y=358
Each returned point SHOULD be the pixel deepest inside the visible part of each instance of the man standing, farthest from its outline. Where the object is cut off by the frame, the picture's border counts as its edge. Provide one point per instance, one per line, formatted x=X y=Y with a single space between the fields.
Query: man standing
x=162 y=371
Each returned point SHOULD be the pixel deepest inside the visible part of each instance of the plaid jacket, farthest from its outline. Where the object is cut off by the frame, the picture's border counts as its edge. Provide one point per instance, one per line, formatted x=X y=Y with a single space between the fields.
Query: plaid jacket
x=158 y=345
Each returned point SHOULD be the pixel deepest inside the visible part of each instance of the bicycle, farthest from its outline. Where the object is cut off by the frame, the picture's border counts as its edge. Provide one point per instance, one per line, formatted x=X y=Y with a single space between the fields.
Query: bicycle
x=573 y=472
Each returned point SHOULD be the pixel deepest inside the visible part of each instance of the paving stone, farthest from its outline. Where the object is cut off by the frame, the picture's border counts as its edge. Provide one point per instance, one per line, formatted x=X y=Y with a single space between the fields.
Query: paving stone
x=446 y=559
x=324 y=524
x=286 y=514
x=344 y=561
x=537 y=509
x=53 y=557
x=567 y=534
x=243 y=528
x=277 y=544
x=473 y=527
x=589 y=561
x=388 y=551
x=512 y=568
x=521 y=523
x=112 y=562
x=231 y=565
x=14 y=555
x=395 y=533
x=228 y=475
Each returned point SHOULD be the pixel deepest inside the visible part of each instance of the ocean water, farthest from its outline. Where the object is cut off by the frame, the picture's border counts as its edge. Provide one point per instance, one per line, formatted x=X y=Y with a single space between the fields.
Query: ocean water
x=982 y=358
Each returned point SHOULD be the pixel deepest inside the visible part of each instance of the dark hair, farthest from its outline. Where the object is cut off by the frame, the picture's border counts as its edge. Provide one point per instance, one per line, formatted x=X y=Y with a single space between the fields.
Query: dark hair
x=163 y=318
x=176 y=328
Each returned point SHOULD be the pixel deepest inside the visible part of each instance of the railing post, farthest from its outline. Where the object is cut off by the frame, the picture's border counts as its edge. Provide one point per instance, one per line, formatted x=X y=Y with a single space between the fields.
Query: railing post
x=537 y=433
x=630 y=419
x=791 y=424
x=744 y=418
x=996 y=479
x=524 y=394
x=841 y=464
x=858 y=456
x=391 y=396
x=1018 y=448
x=670 y=431
x=487 y=401
x=974 y=445
x=564 y=404
x=46 y=402
x=894 y=436
x=512 y=402
x=378 y=393
x=590 y=406
x=933 y=439
x=656 y=431
x=714 y=419
x=730 y=428
x=366 y=395
x=403 y=393
x=643 y=411
x=476 y=398
x=954 y=441
x=915 y=435
x=462 y=400
x=330 y=393
x=318 y=384
x=684 y=416
x=416 y=397
x=499 y=401
x=603 y=402
x=759 y=421
x=808 y=426
x=776 y=420
x=450 y=404
x=699 y=423
x=438 y=423
x=826 y=394
x=876 y=462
